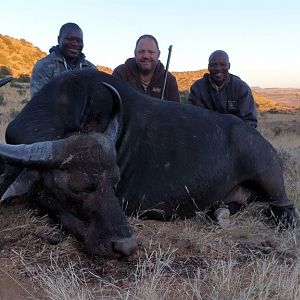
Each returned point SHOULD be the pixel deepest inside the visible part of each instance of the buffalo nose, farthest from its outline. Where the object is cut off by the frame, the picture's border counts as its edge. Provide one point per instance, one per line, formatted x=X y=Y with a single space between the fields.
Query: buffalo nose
x=125 y=246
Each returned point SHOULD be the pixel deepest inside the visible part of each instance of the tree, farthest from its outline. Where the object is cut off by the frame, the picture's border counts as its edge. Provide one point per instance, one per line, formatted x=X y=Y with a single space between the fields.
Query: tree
x=5 y=71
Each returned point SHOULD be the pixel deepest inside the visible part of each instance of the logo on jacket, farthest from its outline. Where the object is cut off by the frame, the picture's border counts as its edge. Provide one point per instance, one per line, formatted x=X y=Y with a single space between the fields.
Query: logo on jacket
x=156 y=90
x=232 y=105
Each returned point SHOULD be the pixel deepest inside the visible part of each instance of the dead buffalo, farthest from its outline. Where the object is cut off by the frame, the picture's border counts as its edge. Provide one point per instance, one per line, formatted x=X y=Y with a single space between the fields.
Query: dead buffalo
x=91 y=144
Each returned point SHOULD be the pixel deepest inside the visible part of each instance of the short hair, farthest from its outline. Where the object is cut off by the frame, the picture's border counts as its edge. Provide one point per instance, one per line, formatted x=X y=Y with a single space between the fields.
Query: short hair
x=147 y=36
x=68 y=26
x=218 y=52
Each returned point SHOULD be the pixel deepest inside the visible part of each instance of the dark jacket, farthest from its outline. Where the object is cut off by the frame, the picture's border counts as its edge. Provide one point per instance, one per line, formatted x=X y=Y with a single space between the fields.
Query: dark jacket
x=129 y=72
x=51 y=65
x=234 y=97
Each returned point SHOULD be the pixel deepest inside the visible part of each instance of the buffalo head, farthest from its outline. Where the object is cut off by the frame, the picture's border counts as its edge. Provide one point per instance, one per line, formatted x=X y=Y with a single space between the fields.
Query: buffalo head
x=73 y=179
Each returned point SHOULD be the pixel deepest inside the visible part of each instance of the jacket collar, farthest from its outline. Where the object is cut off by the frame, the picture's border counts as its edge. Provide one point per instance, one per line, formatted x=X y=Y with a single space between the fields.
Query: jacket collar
x=60 y=57
x=216 y=87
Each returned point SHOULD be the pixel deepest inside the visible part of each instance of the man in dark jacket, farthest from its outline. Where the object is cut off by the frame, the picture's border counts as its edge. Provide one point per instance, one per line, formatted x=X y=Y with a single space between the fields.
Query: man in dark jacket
x=223 y=92
x=146 y=73
x=66 y=56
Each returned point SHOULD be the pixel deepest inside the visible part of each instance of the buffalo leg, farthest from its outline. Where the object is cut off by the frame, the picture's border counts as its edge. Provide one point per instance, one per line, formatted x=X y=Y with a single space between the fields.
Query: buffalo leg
x=10 y=173
x=281 y=208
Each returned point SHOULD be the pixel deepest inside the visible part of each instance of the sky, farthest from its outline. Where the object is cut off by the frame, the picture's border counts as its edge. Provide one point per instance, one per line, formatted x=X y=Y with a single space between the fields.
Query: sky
x=261 y=37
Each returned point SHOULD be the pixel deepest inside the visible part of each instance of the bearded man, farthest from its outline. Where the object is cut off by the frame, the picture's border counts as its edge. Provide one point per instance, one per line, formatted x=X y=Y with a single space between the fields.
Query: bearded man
x=146 y=73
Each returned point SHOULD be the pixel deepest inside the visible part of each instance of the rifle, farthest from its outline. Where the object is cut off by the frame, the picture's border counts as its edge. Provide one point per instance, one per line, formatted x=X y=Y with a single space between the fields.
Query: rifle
x=5 y=80
x=166 y=71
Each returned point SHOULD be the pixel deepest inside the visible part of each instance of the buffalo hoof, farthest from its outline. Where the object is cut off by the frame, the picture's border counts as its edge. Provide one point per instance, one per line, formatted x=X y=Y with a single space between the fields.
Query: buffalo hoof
x=221 y=215
x=125 y=246
x=285 y=217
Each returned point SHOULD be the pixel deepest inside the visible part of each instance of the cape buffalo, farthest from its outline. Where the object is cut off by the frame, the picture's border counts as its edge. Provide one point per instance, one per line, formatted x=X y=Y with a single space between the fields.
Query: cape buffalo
x=89 y=139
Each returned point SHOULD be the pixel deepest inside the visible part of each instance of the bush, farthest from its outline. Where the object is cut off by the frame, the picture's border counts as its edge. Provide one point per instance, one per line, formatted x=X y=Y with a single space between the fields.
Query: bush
x=14 y=113
x=24 y=101
x=277 y=130
x=184 y=96
x=2 y=100
x=16 y=85
x=21 y=92
x=5 y=71
x=23 y=78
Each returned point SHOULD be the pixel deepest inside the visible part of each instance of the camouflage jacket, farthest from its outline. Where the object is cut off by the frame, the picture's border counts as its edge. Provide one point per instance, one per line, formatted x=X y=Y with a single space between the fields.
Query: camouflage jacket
x=51 y=65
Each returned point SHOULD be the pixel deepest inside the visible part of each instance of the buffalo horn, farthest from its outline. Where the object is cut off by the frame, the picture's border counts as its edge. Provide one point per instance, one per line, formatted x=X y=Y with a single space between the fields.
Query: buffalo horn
x=22 y=184
x=5 y=80
x=34 y=155
x=114 y=125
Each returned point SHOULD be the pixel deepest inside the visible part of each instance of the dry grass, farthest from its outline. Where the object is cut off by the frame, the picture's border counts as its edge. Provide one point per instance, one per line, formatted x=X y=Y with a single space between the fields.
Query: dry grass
x=238 y=271
x=13 y=101
x=185 y=259
x=189 y=259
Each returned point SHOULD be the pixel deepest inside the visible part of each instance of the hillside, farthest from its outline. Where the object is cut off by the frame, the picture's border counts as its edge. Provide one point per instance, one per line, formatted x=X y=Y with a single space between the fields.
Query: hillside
x=187 y=78
x=264 y=104
x=17 y=57
x=288 y=96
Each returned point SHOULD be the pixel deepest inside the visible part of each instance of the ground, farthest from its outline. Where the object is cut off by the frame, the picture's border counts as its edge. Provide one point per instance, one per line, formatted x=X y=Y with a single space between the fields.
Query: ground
x=30 y=246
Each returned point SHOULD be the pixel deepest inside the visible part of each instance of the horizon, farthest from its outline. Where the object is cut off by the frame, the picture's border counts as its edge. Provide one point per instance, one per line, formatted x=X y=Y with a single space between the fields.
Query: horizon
x=256 y=35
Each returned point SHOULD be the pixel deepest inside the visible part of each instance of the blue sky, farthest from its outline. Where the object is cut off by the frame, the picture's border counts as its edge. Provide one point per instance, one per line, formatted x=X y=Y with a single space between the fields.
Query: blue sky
x=261 y=37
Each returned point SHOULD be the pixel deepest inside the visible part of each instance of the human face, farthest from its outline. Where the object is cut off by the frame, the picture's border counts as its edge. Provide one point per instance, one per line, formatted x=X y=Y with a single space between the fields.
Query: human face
x=71 y=44
x=218 y=68
x=146 y=55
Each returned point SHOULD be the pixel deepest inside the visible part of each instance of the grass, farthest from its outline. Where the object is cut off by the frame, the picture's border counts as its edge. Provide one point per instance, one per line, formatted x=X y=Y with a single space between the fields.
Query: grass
x=190 y=259
x=265 y=277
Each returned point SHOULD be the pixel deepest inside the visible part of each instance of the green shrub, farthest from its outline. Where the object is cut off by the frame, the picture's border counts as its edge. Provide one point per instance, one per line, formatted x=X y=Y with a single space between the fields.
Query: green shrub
x=2 y=100
x=24 y=101
x=5 y=71
x=184 y=96
x=16 y=85
x=277 y=130
x=21 y=92
x=23 y=78
x=13 y=113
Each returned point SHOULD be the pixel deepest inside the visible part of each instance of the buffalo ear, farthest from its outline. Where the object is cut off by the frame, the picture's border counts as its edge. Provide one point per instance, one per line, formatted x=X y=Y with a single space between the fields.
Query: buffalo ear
x=114 y=124
x=22 y=185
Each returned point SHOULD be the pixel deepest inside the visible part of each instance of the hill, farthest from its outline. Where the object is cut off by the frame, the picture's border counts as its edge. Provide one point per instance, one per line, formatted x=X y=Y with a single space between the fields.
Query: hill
x=17 y=57
x=187 y=78
x=288 y=96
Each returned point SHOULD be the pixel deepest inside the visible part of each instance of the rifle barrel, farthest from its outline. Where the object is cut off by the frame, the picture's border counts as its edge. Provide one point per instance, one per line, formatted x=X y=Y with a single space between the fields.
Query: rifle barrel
x=166 y=71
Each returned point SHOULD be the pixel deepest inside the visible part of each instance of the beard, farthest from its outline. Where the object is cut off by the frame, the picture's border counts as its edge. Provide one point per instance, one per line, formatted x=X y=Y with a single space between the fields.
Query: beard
x=146 y=67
